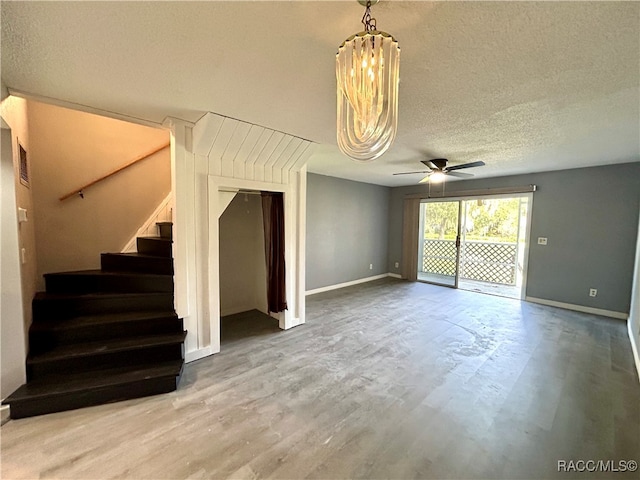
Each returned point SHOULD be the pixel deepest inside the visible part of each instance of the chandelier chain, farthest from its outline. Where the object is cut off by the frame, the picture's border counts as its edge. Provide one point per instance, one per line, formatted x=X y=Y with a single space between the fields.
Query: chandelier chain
x=368 y=22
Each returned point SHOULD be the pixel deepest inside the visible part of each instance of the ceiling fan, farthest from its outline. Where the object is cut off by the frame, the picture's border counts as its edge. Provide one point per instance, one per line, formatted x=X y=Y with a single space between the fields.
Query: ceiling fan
x=438 y=170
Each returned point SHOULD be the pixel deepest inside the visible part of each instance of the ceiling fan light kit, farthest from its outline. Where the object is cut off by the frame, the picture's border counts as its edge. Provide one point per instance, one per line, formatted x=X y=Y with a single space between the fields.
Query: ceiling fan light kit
x=435 y=177
x=367 y=73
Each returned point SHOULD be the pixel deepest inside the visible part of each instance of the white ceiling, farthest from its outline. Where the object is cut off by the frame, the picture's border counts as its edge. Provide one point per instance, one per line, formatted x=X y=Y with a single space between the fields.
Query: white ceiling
x=524 y=86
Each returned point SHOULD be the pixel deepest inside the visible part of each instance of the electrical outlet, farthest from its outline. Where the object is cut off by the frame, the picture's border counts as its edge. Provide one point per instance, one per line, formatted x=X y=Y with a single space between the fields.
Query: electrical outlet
x=397 y=264
x=371 y=266
x=593 y=292
x=542 y=240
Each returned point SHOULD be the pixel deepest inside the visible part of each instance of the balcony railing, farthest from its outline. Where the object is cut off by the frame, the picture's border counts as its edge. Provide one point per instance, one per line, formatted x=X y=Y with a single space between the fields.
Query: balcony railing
x=484 y=261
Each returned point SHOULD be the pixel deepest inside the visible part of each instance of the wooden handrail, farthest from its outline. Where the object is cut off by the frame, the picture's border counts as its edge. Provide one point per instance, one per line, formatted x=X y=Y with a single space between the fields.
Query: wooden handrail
x=119 y=169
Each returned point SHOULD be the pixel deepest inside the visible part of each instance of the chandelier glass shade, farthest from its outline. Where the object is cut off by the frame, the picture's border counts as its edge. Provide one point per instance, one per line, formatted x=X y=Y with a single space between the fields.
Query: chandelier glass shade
x=367 y=72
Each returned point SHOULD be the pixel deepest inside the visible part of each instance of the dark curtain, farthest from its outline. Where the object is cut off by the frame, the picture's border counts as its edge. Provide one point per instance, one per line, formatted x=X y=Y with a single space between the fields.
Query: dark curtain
x=273 y=218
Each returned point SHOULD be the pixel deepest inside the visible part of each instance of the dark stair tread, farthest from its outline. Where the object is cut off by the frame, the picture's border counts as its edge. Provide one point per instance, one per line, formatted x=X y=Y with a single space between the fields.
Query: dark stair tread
x=107 y=273
x=75 y=296
x=137 y=254
x=79 y=350
x=83 y=321
x=78 y=382
x=154 y=238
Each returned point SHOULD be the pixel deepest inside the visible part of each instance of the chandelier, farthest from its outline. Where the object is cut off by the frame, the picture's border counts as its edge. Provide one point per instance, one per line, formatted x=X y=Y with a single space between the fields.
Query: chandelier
x=367 y=72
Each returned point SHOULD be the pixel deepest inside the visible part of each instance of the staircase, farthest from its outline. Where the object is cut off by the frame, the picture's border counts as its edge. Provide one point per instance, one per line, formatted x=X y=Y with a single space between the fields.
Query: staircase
x=102 y=336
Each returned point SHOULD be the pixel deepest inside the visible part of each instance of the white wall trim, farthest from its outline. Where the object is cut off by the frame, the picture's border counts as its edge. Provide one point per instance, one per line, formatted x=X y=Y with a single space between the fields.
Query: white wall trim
x=579 y=308
x=293 y=203
x=394 y=275
x=83 y=108
x=635 y=347
x=348 y=284
x=160 y=214
x=220 y=153
x=194 y=355
x=184 y=261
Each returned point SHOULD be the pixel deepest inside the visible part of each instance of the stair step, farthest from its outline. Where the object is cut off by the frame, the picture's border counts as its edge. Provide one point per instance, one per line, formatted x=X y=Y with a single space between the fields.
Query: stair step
x=94 y=281
x=100 y=336
x=62 y=392
x=165 y=229
x=81 y=357
x=89 y=349
x=158 y=246
x=136 y=262
x=45 y=335
x=50 y=306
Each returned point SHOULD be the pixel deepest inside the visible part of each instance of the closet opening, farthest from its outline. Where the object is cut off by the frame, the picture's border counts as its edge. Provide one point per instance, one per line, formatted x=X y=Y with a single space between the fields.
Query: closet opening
x=243 y=270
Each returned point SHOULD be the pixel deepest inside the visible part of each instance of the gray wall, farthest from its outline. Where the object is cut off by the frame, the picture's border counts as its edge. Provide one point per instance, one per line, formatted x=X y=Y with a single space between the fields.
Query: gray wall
x=347 y=228
x=634 y=315
x=590 y=216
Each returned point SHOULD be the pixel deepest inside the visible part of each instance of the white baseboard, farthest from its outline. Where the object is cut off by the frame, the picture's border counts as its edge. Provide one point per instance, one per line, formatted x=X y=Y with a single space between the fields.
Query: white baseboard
x=394 y=275
x=198 y=354
x=346 y=284
x=5 y=414
x=579 y=308
x=635 y=347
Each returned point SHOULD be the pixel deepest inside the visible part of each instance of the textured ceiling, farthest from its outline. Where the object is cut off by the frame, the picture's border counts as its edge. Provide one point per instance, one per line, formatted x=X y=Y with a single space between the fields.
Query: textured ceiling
x=524 y=86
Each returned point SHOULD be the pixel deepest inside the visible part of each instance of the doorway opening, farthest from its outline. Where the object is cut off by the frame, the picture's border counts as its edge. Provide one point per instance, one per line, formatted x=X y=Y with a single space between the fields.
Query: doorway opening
x=478 y=244
x=243 y=287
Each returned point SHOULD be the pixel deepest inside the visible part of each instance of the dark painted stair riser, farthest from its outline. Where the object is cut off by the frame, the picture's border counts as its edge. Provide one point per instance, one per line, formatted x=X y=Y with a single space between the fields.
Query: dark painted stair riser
x=97 y=396
x=41 y=365
x=44 y=336
x=54 y=306
x=165 y=229
x=101 y=336
x=97 y=281
x=136 y=262
x=58 y=393
x=160 y=247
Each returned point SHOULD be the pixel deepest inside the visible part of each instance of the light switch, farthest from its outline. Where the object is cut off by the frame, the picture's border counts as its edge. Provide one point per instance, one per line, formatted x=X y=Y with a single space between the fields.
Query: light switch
x=542 y=240
x=23 y=255
x=22 y=215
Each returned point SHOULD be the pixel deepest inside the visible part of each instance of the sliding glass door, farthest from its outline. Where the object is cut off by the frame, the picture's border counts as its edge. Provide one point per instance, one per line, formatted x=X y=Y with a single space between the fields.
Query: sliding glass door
x=439 y=242
x=478 y=244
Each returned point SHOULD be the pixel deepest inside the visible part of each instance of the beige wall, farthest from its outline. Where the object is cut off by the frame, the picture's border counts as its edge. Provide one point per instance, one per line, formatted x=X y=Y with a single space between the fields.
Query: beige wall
x=69 y=149
x=243 y=284
x=15 y=113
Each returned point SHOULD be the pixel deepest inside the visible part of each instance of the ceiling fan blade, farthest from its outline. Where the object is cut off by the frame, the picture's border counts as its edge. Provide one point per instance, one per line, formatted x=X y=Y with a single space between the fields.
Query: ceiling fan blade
x=411 y=173
x=459 y=174
x=425 y=179
x=479 y=163
x=430 y=164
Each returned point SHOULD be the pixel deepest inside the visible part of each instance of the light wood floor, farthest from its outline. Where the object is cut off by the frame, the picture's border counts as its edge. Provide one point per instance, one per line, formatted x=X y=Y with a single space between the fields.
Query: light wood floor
x=386 y=380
